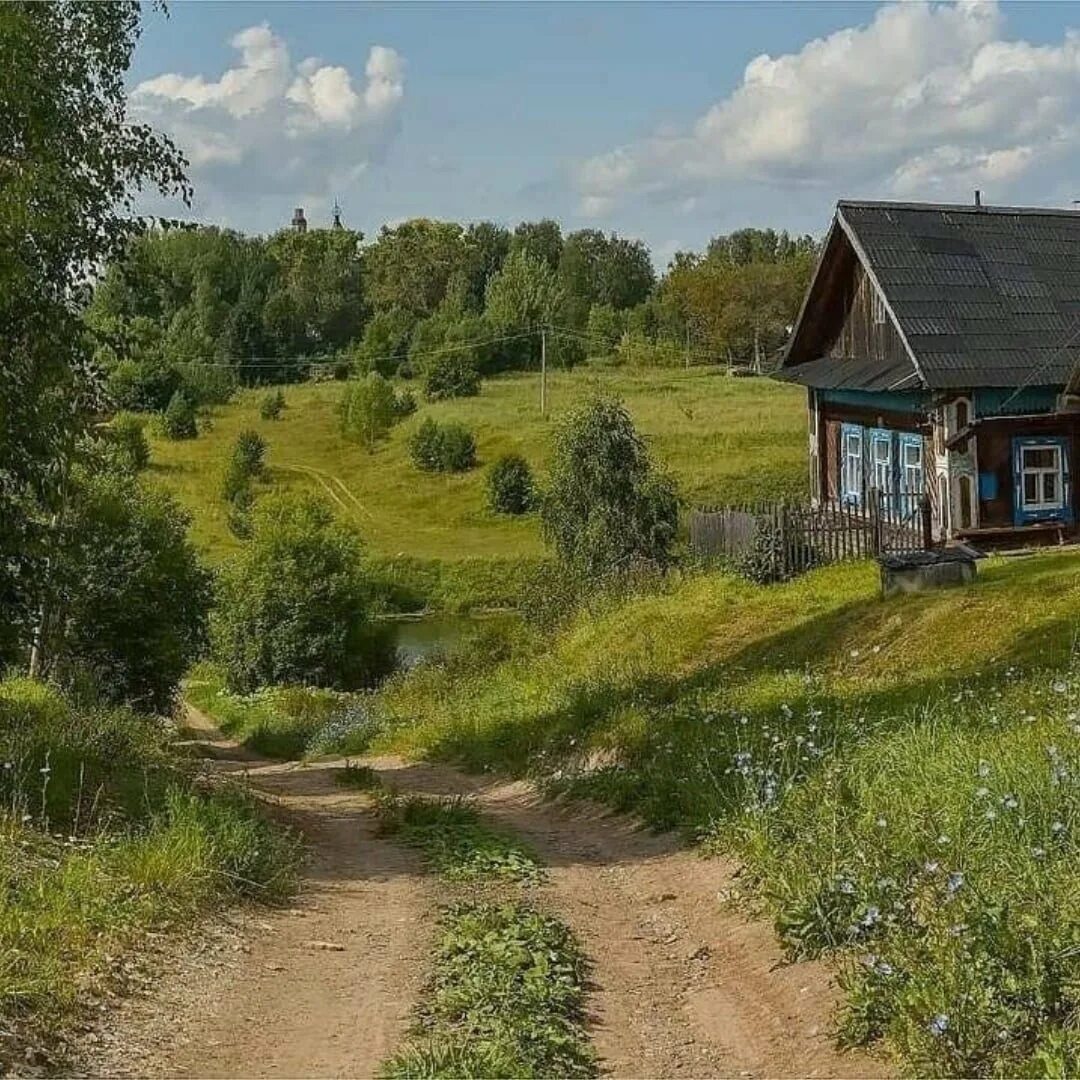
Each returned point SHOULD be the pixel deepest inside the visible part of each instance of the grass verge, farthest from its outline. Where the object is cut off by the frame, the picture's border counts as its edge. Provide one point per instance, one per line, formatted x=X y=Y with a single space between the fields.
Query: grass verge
x=106 y=836
x=283 y=722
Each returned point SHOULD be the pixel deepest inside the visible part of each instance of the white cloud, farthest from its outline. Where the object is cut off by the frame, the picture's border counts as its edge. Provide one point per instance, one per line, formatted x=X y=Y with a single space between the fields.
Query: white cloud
x=924 y=96
x=271 y=128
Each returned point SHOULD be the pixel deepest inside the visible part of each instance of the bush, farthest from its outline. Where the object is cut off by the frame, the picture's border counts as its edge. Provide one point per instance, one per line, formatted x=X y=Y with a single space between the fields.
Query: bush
x=126 y=445
x=446 y=447
x=142 y=385
x=294 y=605
x=775 y=552
x=272 y=406
x=452 y=375
x=207 y=385
x=133 y=594
x=178 y=420
x=239 y=515
x=606 y=507
x=385 y=344
x=404 y=403
x=369 y=409
x=247 y=462
x=510 y=485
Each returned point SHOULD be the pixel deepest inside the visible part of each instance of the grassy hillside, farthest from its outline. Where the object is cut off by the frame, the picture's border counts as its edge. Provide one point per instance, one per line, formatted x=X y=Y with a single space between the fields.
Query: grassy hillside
x=902 y=777
x=721 y=437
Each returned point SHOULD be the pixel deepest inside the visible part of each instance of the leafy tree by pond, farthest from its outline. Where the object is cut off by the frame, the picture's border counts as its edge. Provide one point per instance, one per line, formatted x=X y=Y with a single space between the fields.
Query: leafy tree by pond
x=606 y=506
x=295 y=605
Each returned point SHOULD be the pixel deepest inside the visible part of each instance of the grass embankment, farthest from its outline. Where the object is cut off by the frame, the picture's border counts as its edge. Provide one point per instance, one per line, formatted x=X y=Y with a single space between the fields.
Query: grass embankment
x=507 y=990
x=105 y=835
x=902 y=777
x=278 y=721
x=433 y=534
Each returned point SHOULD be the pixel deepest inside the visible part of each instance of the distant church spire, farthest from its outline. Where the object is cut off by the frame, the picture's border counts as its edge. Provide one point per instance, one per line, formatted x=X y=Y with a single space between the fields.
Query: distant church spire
x=299 y=222
x=337 y=216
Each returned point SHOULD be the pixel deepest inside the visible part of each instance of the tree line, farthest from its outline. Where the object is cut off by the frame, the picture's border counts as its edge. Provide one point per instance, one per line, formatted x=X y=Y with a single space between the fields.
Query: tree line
x=202 y=309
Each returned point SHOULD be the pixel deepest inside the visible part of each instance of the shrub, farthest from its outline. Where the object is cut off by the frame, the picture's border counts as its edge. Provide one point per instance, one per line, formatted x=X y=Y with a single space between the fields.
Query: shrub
x=247 y=462
x=294 y=605
x=142 y=385
x=404 y=403
x=239 y=515
x=606 y=506
x=207 y=385
x=452 y=375
x=446 y=447
x=133 y=594
x=385 y=344
x=775 y=552
x=369 y=409
x=178 y=420
x=126 y=445
x=510 y=485
x=272 y=406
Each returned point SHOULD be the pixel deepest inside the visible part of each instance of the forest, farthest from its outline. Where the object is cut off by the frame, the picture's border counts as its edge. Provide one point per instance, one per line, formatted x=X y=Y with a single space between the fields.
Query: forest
x=206 y=309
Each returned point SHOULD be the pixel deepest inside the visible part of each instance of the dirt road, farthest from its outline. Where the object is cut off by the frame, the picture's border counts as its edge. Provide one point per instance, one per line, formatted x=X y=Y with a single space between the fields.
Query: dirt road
x=682 y=988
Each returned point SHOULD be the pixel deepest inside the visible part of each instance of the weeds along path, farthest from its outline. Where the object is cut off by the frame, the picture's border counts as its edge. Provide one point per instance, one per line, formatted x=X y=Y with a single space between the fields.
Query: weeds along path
x=681 y=987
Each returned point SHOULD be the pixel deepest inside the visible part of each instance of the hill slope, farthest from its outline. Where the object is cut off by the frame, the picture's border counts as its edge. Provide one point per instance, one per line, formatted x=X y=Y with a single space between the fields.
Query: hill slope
x=723 y=438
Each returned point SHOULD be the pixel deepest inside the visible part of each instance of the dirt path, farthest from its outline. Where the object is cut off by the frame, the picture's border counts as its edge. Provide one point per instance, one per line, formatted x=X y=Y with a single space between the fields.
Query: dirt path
x=682 y=988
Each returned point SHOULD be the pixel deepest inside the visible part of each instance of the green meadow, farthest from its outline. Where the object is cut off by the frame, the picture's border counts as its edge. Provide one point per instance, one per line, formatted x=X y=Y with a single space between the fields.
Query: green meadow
x=722 y=438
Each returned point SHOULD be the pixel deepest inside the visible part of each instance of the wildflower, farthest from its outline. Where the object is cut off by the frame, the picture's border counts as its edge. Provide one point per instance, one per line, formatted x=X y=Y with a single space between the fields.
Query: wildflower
x=854 y=654
x=943 y=840
x=1060 y=687
x=1010 y=802
x=930 y=866
x=939 y=1025
x=1027 y=719
x=991 y=815
x=1038 y=852
x=982 y=792
x=872 y=915
x=1057 y=828
x=881 y=823
x=984 y=769
x=845 y=886
x=956 y=880
x=884 y=968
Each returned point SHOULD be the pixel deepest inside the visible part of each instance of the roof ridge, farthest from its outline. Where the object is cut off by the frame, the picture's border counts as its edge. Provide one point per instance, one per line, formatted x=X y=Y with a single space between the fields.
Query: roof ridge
x=962 y=208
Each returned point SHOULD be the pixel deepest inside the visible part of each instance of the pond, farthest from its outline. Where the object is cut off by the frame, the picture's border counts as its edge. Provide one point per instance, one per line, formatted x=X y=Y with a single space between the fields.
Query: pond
x=419 y=637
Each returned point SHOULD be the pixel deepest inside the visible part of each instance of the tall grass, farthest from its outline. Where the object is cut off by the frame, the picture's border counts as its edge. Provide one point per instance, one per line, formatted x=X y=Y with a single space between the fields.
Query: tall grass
x=105 y=835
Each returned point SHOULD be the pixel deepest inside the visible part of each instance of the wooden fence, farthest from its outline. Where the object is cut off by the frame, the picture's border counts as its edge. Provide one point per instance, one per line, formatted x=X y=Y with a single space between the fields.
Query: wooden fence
x=798 y=537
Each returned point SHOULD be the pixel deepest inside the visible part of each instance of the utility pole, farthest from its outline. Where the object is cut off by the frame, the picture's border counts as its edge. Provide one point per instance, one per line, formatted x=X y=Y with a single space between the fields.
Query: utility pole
x=687 y=346
x=543 y=371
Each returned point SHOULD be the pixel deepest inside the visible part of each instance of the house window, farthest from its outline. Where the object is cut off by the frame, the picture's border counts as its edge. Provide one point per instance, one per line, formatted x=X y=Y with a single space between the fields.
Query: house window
x=963 y=414
x=881 y=463
x=911 y=472
x=851 y=463
x=1040 y=472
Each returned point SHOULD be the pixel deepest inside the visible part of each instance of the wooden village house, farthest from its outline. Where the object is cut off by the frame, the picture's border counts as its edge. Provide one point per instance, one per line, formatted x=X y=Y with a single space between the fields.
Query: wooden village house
x=938 y=346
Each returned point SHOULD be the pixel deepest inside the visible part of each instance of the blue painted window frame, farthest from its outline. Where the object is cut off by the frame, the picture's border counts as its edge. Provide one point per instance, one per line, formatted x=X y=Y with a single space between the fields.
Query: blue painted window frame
x=887 y=490
x=907 y=498
x=848 y=493
x=1025 y=516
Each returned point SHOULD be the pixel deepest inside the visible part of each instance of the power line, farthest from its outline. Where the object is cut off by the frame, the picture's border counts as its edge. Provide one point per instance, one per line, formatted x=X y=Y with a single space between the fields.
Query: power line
x=1039 y=368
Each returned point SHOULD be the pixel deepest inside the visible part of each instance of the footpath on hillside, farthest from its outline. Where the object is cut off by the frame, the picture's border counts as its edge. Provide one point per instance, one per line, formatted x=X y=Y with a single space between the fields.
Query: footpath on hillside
x=679 y=985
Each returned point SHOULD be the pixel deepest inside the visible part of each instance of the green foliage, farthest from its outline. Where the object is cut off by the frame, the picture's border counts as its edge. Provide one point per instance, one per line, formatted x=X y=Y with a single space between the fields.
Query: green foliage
x=126 y=446
x=539 y=240
x=605 y=329
x=272 y=405
x=294 y=606
x=276 y=721
x=521 y=298
x=369 y=409
x=410 y=266
x=448 y=447
x=606 y=507
x=358 y=777
x=511 y=489
x=247 y=462
x=451 y=375
x=207 y=385
x=385 y=344
x=599 y=269
x=143 y=386
x=404 y=403
x=128 y=598
x=506 y=999
x=179 y=421
x=454 y=839
x=775 y=549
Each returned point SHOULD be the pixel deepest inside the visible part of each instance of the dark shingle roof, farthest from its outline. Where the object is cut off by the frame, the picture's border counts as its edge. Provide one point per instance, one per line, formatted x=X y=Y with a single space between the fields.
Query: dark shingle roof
x=985 y=296
x=829 y=373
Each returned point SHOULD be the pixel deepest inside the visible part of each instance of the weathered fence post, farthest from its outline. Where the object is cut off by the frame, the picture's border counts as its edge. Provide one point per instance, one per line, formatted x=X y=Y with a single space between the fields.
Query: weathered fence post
x=877 y=537
x=927 y=523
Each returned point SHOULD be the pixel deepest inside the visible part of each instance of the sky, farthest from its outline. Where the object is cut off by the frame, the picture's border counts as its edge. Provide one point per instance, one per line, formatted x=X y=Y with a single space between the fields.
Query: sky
x=669 y=122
